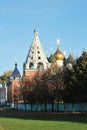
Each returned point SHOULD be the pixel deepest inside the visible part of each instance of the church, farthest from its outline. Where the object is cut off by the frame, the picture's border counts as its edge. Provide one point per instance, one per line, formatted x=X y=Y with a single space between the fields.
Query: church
x=36 y=63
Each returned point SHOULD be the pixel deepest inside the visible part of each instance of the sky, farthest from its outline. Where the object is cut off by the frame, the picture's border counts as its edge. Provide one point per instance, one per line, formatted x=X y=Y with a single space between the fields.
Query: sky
x=52 y=19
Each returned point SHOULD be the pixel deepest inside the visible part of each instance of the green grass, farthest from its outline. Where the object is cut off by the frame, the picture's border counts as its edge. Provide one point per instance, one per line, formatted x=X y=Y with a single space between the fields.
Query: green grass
x=20 y=120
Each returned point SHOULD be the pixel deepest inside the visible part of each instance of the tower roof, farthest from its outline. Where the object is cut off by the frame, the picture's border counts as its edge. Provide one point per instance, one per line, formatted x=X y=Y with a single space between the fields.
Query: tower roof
x=52 y=59
x=15 y=71
x=70 y=59
x=36 y=54
x=58 y=55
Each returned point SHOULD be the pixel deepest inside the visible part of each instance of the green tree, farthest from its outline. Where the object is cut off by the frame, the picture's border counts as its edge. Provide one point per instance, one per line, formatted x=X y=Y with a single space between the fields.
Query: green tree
x=76 y=80
x=3 y=77
x=80 y=70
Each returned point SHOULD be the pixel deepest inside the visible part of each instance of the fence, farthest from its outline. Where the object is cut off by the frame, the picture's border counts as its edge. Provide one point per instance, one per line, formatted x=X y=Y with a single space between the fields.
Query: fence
x=61 y=107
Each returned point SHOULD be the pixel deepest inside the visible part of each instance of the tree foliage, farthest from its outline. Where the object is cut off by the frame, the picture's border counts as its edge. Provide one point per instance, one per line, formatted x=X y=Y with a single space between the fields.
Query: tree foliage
x=4 y=76
x=44 y=89
x=58 y=85
x=76 y=80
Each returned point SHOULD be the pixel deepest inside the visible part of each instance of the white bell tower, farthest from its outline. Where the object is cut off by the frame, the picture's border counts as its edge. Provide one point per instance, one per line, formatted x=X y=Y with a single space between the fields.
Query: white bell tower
x=36 y=58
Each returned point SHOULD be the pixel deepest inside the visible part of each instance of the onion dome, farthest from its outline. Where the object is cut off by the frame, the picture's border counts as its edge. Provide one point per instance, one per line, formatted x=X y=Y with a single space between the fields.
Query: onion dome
x=16 y=73
x=70 y=59
x=16 y=69
x=58 y=55
x=52 y=59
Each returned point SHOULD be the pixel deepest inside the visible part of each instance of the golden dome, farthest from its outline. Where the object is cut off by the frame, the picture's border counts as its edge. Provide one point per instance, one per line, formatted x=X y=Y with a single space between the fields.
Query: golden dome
x=58 y=55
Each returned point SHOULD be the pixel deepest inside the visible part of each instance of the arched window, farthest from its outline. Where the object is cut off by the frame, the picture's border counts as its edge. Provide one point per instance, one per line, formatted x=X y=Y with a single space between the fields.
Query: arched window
x=39 y=58
x=40 y=66
x=38 y=52
x=31 y=65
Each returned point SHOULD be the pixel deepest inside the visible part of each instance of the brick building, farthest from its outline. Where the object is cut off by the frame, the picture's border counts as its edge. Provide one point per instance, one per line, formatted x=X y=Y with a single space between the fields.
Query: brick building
x=13 y=82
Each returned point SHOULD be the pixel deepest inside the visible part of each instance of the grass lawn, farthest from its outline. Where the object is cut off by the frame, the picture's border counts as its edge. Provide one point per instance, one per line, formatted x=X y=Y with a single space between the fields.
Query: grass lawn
x=21 y=120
